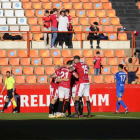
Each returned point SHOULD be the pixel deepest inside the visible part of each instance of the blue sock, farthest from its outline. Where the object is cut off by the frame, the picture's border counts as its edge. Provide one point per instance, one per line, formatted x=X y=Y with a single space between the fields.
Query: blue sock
x=123 y=104
x=118 y=106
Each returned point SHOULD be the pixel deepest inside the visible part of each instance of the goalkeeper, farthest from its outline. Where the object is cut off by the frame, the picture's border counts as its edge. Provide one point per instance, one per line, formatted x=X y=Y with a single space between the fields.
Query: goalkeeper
x=10 y=84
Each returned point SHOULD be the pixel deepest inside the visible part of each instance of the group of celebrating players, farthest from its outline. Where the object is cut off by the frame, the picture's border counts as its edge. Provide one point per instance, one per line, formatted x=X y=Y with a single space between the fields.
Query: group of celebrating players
x=71 y=78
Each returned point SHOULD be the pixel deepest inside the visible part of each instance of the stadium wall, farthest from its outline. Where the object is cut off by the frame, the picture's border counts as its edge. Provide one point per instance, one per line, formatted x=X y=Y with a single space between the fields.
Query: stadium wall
x=36 y=98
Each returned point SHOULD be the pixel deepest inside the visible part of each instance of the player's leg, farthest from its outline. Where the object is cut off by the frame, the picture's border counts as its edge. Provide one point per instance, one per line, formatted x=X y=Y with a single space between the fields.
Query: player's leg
x=81 y=107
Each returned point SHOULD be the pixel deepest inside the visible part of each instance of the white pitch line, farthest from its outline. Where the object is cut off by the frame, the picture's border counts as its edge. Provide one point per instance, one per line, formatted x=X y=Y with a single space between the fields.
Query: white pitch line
x=117 y=117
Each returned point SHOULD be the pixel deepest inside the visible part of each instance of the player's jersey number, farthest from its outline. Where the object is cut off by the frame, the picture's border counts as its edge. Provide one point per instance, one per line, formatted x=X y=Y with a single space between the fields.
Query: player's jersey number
x=85 y=68
x=123 y=78
x=64 y=74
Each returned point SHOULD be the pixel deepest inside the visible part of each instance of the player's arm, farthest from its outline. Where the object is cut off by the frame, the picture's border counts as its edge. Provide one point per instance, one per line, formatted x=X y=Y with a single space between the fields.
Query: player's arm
x=53 y=75
x=136 y=58
x=3 y=88
x=124 y=60
x=60 y=11
x=75 y=75
x=60 y=80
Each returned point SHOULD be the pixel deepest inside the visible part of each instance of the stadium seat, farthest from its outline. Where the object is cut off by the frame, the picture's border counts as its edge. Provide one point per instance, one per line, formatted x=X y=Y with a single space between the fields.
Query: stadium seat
x=97 y=6
x=39 y=70
x=31 y=79
x=58 y=61
x=101 y=53
x=55 y=53
x=119 y=53
x=122 y=36
x=28 y=70
x=67 y=59
x=5 y=69
x=112 y=61
x=109 y=53
x=109 y=79
x=20 y=79
x=72 y=13
x=36 y=61
x=27 y=5
x=82 y=59
x=67 y=5
x=47 y=61
x=1 y=80
x=87 y=5
x=17 y=70
x=92 y=20
x=29 y=13
x=88 y=53
x=66 y=53
x=37 y=5
x=34 y=0
x=114 y=70
x=115 y=21
x=89 y=62
x=138 y=72
x=80 y=13
x=25 y=61
x=42 y=79
x=104 y=21
x=64 y=0
x=39 y=13
x=47 y=5
x=3 y=53
x=137 y=63
x=12 y=53
x=3 y=61
x=95 y=0
x=112 y=36
x=40 y=21
x=100 y=28
x=98 y=79
x=9 y=13
x=104 y=0
x=25 y=36
x=14 y=61
x=111 y=13
x=108 y=28
x=35 y=28
x=91 y=70
x=78 y=5
x=75 y=0
x=44 y=53
x=90 y=79
x=103 y=62
x=77 y=52
x=75 y=21
x=49 y=70
x=32 y=21
x=91 y=13
x=101 y=13
x=22 y=53
x=34 y=53
x=116 y=28
x=105 y=70
x=38 y=36
x=77 y=28
x=24 y=0
x=121 y=61
x=107 y=5
x=78 y=37
x=84 y=21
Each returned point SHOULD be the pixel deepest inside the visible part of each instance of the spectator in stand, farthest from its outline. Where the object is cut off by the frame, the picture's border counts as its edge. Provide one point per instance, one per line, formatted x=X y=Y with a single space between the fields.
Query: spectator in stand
x=92 y=36
x=136 y=80
x=97 y=63
x=63 y=26
x=130 y=65
x=51 y=12
x=70 y=28
x=47 y=27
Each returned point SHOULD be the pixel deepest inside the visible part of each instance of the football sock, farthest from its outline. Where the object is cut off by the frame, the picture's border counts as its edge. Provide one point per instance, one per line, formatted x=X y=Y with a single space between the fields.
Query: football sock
x=69 y=109
x=81 y=108
x=66 y=106
x=76 y=107
x=5 y=106
x=60 y=107
x=51 y=108
x=88 y=107
x=56 y=106
x=123 y=104
x=118 y=105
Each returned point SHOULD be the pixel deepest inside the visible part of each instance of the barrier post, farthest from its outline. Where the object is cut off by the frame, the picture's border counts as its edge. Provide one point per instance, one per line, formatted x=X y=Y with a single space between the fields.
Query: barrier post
x=28 y=44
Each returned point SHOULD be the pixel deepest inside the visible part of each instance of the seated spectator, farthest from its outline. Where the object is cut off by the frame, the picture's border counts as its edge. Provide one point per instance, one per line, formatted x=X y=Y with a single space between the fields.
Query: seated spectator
x=92 y=36
x=130 y=65
x=136 y=80
x=97 y=63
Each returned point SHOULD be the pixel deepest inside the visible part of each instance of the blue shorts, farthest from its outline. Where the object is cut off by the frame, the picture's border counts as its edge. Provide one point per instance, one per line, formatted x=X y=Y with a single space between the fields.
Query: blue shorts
x=120 y=92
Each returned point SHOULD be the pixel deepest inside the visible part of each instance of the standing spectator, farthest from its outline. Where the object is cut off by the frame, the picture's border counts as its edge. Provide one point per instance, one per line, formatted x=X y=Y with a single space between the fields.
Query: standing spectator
x=92 y=36
x=47 y=27
x=130 y=65
x=63 y=26
x=136 y=80
x=54 y=24
x=97 y=63
x=70 y=28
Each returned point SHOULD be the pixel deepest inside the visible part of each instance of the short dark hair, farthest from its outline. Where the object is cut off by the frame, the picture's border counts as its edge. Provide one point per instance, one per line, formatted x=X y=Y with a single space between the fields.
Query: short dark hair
x=77 y=57
x=62 y=12
x=8 y=72
x=97 y=52
x=69 y=62
x=51 y=12
x=55 y=9
x=130 y=60
x=121 y=66
x=67 y=10
x=46 y=11
x=96 y=23
x=136 y=77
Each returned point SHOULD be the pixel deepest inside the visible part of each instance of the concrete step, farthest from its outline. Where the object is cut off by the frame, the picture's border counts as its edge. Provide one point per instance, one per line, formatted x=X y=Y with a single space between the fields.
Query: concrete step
x=123 y=3
x=125 y=11
x=127 y=15
x=125 y=7
x=129 y=20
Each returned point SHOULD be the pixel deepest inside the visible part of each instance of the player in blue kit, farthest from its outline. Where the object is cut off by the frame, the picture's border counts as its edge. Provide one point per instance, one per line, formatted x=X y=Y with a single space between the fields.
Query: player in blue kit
x=120 y=78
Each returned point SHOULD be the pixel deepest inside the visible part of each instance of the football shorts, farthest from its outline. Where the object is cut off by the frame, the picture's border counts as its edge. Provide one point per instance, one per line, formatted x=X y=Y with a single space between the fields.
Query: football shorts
x=83 y=89
x=9 y=94
x=74 y=89
x=64 y=92
x=120 y=92
x=53 y=93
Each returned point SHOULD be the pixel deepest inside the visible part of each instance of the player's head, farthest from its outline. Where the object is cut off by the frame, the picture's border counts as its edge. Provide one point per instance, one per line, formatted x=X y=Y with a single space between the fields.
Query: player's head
x=62 y=13
x=136 y=78
x=67 y=11
x=76 y=59
x=55 y=11
x=47 y=13
x=95 y=24
x=72 y=62
x=97 y=53
x=57 y=67
x=120 y=67
x=51 y=12
x=7 y=74
x=69 y=63
x=130 y=60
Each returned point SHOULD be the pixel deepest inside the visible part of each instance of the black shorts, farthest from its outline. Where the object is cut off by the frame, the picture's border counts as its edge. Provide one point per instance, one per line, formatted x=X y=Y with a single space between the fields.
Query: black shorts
x=9 y=94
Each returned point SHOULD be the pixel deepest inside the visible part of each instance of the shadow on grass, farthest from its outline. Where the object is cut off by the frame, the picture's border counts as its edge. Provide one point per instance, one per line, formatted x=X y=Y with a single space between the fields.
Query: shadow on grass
x=70 y=129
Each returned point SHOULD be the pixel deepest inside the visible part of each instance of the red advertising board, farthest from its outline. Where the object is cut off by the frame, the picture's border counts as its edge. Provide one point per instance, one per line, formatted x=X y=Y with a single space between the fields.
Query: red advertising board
x=36 y=98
